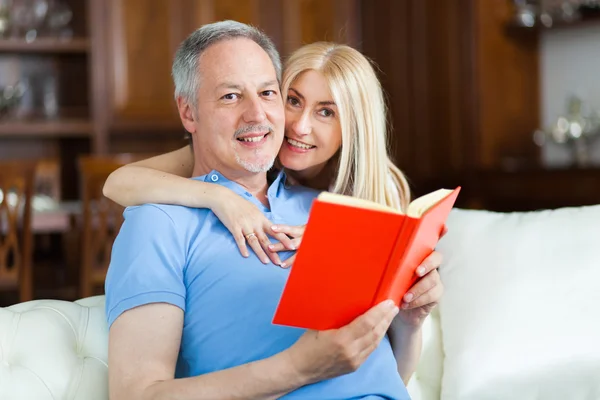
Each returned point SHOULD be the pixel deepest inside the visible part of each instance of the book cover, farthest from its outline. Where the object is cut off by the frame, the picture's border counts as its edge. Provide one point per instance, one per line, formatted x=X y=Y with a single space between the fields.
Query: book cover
x=354 y=253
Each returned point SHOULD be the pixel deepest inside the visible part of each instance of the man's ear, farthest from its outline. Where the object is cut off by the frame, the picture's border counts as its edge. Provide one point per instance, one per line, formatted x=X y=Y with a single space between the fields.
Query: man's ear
x=187 y=115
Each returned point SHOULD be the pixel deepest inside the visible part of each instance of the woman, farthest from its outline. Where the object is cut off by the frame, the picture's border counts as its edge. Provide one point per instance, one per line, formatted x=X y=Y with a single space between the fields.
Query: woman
x=335 y=140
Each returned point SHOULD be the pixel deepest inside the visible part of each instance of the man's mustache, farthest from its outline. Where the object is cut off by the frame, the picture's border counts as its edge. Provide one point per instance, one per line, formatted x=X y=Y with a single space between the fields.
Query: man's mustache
x=253 y=129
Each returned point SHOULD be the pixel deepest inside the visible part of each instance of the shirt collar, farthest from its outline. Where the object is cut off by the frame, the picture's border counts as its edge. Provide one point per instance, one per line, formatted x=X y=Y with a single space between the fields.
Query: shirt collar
x=280 y=182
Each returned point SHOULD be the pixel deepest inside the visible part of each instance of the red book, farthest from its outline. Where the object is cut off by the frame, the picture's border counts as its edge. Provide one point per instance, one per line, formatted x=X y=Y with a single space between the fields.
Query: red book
x=356 y=254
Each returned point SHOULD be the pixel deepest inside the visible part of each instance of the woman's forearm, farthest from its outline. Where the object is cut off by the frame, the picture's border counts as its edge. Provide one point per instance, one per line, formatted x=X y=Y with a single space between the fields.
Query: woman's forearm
x=407 y=343
x=134 y=185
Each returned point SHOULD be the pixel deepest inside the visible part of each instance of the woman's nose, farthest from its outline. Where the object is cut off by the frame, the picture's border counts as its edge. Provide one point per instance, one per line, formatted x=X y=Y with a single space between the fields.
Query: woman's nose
x=301 y=125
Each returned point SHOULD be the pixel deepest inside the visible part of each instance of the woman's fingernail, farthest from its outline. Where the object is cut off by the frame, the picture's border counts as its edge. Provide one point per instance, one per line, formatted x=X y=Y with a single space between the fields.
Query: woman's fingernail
x=274 y=227
x=271 y=247
x=282 y=265
x=408 y=297
x=421 y=271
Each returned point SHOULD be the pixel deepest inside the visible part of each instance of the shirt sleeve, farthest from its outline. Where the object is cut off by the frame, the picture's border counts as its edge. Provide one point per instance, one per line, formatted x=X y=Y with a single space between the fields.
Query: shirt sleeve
x=147 y=262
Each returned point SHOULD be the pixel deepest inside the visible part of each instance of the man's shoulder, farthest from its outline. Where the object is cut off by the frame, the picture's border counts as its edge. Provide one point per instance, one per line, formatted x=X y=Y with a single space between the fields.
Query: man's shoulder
x=162 y=213
x=173 y=212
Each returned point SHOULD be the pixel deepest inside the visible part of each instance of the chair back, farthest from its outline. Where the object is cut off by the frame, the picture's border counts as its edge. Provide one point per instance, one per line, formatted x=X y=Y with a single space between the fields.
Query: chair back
x=17 y=179
x=102 y=218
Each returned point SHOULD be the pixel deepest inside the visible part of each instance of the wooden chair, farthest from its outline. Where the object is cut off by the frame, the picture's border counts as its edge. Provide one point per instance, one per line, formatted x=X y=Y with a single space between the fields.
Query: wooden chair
x=17 y=179
x=102 y=218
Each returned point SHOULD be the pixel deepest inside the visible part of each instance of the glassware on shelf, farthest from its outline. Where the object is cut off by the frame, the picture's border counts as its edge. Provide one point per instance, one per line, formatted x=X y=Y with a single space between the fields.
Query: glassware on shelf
x=526 y=13
x=531 y=13
x=27 y=18
x=58 y=19
x=49 y=92
x=10 y=97
x=5 y=7
x=576 y=131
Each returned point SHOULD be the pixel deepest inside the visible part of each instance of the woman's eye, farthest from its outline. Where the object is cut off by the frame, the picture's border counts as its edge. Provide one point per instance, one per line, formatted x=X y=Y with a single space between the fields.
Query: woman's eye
x=293 y=101
x=326 y=112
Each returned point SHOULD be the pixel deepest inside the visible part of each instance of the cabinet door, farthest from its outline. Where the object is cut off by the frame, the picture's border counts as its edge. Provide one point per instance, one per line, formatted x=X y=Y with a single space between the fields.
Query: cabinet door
x=308 y=21
x=264 y=14
x=143 y=36
x=289 y=23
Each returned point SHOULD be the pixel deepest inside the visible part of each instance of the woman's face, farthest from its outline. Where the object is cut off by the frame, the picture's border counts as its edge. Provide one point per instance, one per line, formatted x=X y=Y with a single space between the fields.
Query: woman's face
x=313 y=133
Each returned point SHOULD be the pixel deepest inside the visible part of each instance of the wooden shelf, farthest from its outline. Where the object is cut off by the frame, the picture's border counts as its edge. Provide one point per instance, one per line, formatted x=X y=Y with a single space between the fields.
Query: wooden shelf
x=587 y=19
x=45 y=45
x=46 y=128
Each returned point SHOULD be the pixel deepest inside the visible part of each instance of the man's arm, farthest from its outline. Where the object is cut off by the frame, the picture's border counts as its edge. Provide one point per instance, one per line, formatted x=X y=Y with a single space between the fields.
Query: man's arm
x=145 y=299
x=143 y=348
x=144 y=345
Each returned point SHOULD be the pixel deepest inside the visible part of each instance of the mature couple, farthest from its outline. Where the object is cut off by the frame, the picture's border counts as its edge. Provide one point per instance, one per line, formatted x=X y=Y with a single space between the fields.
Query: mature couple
x=189 y=308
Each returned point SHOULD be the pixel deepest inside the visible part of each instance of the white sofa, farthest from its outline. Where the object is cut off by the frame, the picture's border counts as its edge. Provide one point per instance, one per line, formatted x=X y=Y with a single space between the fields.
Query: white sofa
x=520 y=319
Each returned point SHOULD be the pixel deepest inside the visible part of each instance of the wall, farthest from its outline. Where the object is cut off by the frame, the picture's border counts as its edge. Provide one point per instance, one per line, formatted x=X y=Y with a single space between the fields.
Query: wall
x=570 y=64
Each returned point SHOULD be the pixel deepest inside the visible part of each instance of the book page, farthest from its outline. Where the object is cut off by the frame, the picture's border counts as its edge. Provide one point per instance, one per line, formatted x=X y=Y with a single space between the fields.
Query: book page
x=420 y=205
x=355 y=202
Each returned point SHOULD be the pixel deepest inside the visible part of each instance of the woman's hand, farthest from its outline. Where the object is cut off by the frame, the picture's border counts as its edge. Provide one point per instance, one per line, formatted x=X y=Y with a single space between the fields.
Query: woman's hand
x=249 y=226
x=424 y=295
x=295 y=233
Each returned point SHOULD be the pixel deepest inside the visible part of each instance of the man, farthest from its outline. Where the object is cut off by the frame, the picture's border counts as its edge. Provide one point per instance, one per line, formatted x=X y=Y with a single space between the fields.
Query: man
x=189 y=317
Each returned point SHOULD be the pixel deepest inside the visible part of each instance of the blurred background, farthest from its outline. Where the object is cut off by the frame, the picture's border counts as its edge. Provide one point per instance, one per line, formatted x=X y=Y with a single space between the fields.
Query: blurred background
x=501 y=97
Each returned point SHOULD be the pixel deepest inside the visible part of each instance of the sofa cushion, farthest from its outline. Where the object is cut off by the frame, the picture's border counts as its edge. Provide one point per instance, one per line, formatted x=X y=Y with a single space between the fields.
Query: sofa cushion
x=51 y=349
x=520 y=316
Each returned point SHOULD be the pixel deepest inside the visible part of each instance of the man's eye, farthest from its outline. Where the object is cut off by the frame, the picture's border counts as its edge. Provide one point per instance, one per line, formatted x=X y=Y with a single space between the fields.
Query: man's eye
x=230 y=96
x=269 y=93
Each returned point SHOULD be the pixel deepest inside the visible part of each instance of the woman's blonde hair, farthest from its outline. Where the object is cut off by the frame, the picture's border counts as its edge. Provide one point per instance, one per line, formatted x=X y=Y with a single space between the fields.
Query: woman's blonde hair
x=363 y=166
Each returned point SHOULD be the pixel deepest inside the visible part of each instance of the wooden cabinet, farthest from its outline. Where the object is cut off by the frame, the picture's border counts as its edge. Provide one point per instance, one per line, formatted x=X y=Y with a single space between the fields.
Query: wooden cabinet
x=290 y=24
x=142 y=37
x=463 y=93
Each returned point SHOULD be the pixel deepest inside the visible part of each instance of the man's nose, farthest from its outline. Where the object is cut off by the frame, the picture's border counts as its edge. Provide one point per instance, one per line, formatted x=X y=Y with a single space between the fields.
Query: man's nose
x=254 y=111
x=301 y=126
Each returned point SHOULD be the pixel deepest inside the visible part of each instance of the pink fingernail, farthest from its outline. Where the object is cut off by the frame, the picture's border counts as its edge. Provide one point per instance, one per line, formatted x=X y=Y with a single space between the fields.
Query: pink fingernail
x=274 y=227
x=271 y=247
x=420 y=271
x=283 y=265
x=408 y=297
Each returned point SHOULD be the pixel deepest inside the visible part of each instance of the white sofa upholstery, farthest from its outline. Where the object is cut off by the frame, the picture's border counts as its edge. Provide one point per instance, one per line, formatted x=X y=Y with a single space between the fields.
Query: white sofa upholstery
x=54 y=350
x=520 y=319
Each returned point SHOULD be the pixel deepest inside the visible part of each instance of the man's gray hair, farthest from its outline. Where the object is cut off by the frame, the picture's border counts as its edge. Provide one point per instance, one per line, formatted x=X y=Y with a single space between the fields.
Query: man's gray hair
x=185 y=66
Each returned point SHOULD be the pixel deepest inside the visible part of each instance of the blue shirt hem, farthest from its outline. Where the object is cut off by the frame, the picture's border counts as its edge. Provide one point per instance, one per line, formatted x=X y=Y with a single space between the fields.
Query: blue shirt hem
x=143 y=299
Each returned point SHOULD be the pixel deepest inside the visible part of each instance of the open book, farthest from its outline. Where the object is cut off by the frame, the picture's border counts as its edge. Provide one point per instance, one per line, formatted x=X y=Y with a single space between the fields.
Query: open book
x=356 y=253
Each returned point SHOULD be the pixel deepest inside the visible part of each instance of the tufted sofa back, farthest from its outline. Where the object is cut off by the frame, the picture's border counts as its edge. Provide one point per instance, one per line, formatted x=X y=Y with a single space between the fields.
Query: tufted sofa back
x=54 y=350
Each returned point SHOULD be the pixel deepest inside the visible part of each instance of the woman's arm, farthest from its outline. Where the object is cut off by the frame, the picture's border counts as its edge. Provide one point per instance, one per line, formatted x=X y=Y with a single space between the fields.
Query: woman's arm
x=162 y=179
x=406 y=333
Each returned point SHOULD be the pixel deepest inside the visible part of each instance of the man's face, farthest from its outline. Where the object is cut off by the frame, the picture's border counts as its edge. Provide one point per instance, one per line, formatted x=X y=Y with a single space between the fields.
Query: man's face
x=240 y=116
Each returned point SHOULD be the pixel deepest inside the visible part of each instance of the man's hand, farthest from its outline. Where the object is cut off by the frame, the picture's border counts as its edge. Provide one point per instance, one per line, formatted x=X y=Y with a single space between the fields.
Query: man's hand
x=320 y=355
x=424 y=295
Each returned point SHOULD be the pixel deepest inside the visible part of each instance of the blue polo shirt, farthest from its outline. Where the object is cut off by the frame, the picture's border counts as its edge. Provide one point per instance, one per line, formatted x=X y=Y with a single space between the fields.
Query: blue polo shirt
x=186 y=257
